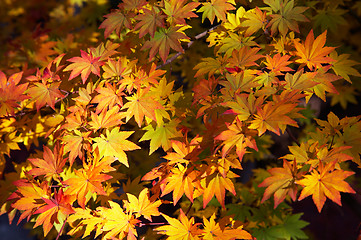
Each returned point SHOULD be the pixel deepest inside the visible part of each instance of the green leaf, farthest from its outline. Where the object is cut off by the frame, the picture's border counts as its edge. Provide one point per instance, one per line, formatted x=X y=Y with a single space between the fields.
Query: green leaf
x=240 y=212
x=291 y=228
x=343 y=66
x=330 y=19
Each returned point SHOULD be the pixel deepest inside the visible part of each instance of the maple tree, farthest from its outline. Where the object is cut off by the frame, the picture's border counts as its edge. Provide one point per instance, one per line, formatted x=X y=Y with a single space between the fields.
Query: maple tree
x=139 y=120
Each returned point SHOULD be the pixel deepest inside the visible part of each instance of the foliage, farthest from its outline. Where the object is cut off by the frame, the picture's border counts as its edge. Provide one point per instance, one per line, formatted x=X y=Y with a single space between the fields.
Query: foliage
x=131 y=115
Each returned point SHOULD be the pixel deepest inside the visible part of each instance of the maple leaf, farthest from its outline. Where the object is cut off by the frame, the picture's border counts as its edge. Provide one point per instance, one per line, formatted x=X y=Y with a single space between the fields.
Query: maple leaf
x=184 y=151
x=204 y=88
x=55 y=210
x=312 y=52
x=235 y=42
x=239 y=82
x=161 y=135
x=287 y=17
x=177 y=11
x=52 y=164
x=149 y=20
x=343 y=66
x=255 y=20
x=88 y=180
x=28 y=196
x=75 y=143
x=142 y=206
x=43 y=93
x=11 y=92
x=107 y=118
x=214 y=231
x=182 y=229
x=215 y=8
x=84 y=218
x=352 y=137
x=165 y=39
x=119 y=68
x=300 y=80
x=114 y=144
x=141 y=104
x=281 y=183
x=84 y=65
x=273 y=117
x=115 y=21
x=244 y=57
x=325 y=182
x=180 y=181
x=278 y=63
x=131 y=5
x=116 y=222
x=104 y=51
x=324 y=84
x=107 y=97
x=211 y=66
x=216 y=186
x=235 y=136
x=346 y=94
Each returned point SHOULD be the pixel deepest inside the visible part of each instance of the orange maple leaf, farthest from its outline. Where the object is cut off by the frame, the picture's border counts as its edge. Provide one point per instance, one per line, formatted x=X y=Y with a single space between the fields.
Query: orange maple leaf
x=88 y=180
x=312 y=52
x=281 y=183
x=141 y=104
x=106 y=118
x=273 y=117
x=235 y=136
x=11 y=93
x=75 y=143
x=184 y=152
x=278 y=63
x=326 y=182
x=244 y=57
x=108 y=96
x=43 y=93
x=217 y=186
x=28 y=197
x=84 y=65
x=181 y=181
x=52 y=164
x=55 y=210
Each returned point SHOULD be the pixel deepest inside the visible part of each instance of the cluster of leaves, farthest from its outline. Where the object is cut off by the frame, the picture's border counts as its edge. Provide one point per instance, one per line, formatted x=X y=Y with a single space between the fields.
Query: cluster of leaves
x=118 y=142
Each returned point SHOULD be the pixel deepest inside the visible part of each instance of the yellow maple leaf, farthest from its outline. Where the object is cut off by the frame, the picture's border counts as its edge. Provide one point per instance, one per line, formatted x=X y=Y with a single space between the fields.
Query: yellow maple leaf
x=114 y=144
x=142 y=206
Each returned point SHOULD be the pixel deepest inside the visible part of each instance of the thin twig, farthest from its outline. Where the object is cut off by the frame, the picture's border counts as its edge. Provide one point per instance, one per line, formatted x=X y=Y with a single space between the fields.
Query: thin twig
x=189 y=208
x=61 y=230
x=151 y=224
x=292 y=136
